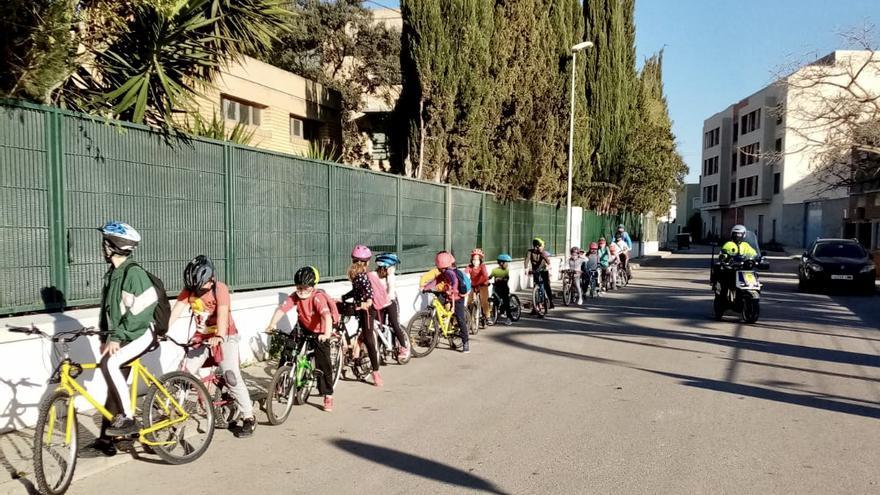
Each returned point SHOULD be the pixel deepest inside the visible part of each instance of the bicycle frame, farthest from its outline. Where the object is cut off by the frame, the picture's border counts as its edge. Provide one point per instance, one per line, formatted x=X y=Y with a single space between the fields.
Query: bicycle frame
x=443 y=316
x=69 y=385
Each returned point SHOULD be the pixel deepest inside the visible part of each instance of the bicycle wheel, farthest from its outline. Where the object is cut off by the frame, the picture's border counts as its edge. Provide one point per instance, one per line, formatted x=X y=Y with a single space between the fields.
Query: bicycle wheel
x=566 y=291
x=473 y=317
x=189 y=436
x=279 y=402
x=54 y=453
x=540 y=302
x=423 y=333
x=515 y=308
x=336 y=359
x=493 y=312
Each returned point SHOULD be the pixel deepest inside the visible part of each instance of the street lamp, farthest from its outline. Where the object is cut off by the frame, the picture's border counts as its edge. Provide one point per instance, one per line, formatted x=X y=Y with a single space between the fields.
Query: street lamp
x=574 y=50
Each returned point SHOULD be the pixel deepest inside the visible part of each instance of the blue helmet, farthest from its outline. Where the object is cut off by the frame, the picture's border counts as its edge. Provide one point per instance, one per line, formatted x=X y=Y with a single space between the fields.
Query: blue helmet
x=387 y=259
x=504 y=258
x=120 y=238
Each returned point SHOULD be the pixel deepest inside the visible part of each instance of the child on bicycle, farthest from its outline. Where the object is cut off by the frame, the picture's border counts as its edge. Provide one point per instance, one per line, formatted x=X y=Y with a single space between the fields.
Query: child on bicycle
x=623 y=251
x=591 y=265
x=128 y=301
x=313 y=314
x=538 y=265
x=613 y=265
x=479 y=284
x=604 y=262
x=447 y=281
x=362 y=293
x=384 y=281
x=574 y=261
x=501 y=275
x=216 y=336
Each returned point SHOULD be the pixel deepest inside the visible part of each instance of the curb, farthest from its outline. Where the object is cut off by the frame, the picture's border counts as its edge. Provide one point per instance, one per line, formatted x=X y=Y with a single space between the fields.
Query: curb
x=650 y=259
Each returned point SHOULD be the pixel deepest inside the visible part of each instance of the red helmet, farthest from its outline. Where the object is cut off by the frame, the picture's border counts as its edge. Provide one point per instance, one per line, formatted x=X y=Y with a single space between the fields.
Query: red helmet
x=593 y=245
x=478 y=252
x=361 y=253
x=444 y=260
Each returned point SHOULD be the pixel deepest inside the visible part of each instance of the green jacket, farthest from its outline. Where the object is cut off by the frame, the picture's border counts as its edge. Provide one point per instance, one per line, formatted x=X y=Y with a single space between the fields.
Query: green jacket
x=127 y=310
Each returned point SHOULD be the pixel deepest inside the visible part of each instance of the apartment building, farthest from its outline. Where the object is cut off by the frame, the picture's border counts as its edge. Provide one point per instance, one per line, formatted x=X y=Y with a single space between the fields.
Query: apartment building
x=687 y=203
x=286 y=112
x=757 y=171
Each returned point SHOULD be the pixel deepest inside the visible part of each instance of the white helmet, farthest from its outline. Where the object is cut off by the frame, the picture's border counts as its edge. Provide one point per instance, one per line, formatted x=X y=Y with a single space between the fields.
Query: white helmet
x=738 y=232
x=120 y=238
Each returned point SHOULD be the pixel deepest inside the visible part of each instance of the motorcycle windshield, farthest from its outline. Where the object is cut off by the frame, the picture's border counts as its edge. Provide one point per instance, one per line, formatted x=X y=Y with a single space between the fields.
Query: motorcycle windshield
x=752 y=239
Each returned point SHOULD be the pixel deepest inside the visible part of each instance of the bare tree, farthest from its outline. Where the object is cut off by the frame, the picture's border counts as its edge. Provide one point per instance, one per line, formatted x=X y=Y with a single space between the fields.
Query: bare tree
x=833 y=113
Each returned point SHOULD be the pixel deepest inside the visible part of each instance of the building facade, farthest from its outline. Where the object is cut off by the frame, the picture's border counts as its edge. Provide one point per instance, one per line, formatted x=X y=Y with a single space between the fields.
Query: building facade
x=687 y=203
x=757 y=169
x=285 y=112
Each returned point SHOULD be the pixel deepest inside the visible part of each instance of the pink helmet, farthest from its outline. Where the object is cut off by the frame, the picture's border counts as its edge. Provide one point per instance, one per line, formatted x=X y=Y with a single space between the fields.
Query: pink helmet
x=612 y=248
x=361 y=253
x=444 y=260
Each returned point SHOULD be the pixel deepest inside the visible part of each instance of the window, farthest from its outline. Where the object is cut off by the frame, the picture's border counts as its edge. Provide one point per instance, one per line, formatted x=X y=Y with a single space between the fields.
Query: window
x=735 y=131
x=712 y=138
x=742 y=188
x=296 y=128
x=733 y=191
x=710 y=194
x=750 y=122
x=777 y=180
x=749 y=154
x=780 y=112
x=380 y=146
x=241 y=112
x=733 y=162
x=710 y=166
x=748 y=187
x=778 y=146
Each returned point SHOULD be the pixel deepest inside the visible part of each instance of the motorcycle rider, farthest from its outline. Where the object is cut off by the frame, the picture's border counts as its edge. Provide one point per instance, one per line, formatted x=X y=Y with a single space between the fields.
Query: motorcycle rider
x=735 y=246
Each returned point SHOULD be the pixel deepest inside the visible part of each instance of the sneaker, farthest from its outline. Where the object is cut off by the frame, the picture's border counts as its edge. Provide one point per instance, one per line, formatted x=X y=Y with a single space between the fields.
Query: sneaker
x=105 y=446
x=403 y=353
x=123 y=426
x=328 y=403
x=377 y=379
x=580 y=302
x=248 y=426
x=507 y=321
x=466 y=348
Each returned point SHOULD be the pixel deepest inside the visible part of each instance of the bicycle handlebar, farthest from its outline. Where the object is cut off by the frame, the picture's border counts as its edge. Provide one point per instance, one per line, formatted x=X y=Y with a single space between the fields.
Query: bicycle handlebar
x=65 y=337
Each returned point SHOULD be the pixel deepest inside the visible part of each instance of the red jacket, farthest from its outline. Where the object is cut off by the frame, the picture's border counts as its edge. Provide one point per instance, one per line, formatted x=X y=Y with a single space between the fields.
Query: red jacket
x=479 y=275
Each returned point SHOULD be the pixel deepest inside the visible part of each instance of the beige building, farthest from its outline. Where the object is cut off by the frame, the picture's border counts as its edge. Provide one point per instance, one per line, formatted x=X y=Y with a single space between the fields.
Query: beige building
x=286 y=112
x=757 y=166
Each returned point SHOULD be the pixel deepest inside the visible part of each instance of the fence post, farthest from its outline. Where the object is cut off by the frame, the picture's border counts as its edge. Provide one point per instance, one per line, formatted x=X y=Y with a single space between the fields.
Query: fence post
x=447 y=227
x=229 y=213
x=398 y=232
x=510 y=227
x=58 y=258
x=331 y=219
x=483 y=210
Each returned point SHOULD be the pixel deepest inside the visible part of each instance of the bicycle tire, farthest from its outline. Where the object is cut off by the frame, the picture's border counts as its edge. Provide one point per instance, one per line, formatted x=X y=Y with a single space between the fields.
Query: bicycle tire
x=539 y=303
x=336 y=359
x=203 y=415
x=280 y=387
x=493 y=313
x=515 y=308
x=49 y=406
x=473 y=318
x=423 y=332
x=566 y=290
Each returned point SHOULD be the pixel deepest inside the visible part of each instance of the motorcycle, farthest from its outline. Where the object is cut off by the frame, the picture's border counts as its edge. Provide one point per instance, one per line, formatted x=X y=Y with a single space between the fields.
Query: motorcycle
x=736 y=286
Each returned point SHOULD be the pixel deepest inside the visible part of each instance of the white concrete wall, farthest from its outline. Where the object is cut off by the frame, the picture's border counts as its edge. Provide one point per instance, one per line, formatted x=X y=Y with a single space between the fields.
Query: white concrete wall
x=28 y=361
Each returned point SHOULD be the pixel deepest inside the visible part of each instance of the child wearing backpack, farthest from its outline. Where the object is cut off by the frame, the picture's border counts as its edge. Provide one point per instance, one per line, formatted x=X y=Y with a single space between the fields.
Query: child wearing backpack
x=216 y=336
x=316 y=313
x=363 y=295
x=456 y=285
x=128 y=302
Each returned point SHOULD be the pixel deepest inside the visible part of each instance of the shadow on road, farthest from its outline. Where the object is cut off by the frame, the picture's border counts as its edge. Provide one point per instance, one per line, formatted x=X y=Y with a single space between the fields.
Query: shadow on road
x=413 y=464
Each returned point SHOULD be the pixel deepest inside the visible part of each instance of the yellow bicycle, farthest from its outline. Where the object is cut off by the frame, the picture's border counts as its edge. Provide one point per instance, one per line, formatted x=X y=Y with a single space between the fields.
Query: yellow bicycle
x=427 y=326
x=178 y=419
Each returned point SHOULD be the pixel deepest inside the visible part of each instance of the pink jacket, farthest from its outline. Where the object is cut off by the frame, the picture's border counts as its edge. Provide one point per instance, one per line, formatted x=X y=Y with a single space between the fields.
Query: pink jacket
x=380 y=295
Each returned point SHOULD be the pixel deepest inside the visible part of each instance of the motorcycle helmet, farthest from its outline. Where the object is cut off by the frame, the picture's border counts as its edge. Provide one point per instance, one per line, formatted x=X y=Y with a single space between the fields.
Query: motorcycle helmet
x=738 y=233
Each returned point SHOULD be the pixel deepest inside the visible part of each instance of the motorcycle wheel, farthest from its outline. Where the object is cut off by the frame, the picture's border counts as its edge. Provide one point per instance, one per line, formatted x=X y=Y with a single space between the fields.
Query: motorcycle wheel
x=751 y=310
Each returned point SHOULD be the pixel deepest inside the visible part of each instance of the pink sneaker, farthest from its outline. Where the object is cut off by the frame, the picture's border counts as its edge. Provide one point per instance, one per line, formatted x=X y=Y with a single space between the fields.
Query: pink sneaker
x=404 y=353
x=328 y=403
x=377 y=379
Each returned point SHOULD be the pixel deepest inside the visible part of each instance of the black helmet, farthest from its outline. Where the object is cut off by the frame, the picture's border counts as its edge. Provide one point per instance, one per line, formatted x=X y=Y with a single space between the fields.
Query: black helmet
x=306 y=275
x=197 y=273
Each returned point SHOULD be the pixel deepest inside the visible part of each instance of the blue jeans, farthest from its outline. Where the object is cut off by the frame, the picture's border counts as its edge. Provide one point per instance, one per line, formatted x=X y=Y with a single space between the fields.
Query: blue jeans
x=461 y=317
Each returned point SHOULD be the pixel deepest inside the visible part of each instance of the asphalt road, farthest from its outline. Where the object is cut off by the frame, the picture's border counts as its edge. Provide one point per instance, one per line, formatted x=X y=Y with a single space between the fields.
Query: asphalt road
x=641 y=392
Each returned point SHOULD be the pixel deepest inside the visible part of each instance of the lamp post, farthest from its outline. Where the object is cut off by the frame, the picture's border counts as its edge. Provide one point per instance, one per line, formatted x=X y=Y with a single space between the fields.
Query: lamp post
x=574 y=50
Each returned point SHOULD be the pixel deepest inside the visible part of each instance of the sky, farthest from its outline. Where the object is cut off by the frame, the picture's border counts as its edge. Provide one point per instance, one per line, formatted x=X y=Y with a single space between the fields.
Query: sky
x=717 y=52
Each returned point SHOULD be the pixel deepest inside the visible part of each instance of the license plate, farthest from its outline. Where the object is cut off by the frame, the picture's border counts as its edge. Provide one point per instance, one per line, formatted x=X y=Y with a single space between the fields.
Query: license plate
x=841 y=277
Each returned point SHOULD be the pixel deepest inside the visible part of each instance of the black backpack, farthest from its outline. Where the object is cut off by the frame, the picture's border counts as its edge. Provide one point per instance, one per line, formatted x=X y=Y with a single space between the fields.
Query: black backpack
x=163 y=308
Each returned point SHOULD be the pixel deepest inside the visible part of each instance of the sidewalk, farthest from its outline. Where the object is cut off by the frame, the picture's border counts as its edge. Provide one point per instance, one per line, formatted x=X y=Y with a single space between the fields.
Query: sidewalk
x=16 y=447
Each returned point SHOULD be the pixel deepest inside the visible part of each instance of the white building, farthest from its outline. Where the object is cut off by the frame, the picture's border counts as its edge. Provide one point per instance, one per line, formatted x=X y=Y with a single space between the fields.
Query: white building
x=757 y=164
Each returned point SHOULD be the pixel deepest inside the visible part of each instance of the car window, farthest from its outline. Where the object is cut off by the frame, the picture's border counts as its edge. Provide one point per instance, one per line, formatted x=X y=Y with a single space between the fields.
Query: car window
x=838 y=250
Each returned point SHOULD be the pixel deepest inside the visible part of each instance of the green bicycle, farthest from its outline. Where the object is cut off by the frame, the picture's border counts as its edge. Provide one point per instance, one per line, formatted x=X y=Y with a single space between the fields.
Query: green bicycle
x=427 y=326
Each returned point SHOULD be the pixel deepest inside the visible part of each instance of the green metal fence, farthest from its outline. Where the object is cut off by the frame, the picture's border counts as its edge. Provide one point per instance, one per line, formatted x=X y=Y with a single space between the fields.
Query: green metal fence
x=260 y=215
